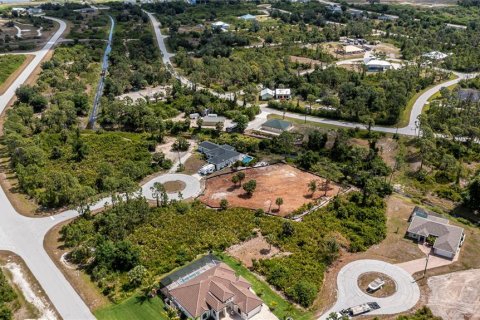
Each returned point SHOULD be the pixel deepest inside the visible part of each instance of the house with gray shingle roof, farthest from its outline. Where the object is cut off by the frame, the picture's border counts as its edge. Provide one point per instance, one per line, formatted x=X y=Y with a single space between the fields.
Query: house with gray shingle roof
x=220 y=156
x=277 y=126
x=448 y=238
x=209 y=289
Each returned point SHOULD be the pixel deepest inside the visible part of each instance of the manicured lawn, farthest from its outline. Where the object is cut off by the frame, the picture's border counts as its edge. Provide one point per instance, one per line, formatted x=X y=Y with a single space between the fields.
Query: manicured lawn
x=283 y=308
x=8 y=65
x=134 y=308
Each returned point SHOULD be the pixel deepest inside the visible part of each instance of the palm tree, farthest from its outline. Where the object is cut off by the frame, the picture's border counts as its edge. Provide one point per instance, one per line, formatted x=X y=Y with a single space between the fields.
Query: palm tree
x=279 y=202
x=157 y=189
x=312 y=186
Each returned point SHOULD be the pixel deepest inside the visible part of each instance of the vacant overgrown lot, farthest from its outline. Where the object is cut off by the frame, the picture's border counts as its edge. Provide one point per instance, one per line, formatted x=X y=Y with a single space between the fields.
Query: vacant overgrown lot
x=132 y=245
x=276 y=181
x=8 y=65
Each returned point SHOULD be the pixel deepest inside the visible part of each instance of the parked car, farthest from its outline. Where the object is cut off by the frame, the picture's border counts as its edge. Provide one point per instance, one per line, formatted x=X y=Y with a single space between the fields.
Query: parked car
x=376 y=285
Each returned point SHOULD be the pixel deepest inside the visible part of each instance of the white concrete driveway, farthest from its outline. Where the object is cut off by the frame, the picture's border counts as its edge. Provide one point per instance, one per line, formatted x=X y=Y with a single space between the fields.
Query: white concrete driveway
x=192 y=186
x=349 y=294
x=24 y=236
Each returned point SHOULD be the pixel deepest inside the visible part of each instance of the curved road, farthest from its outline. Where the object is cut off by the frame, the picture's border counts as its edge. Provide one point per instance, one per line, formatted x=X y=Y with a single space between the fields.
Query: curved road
x=191 y=190
x=410 y=129
x=24 y=236
x=350 y=295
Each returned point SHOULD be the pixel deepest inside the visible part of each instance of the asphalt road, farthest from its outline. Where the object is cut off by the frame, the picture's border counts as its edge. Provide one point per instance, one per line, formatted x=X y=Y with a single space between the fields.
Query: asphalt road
x=101 y=82
x=350 y=295
x=409 y=130
x=39 y=55
x=24 y=236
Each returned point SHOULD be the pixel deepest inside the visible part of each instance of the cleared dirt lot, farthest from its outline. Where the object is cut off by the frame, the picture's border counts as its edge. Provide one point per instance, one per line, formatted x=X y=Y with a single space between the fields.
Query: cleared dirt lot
x=256 y=248
x=455 y=295
x=273 y=182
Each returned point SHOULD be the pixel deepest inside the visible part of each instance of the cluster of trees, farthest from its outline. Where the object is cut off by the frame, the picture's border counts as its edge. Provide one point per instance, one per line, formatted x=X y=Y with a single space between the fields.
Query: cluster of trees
x=126 y=240
x=55 y=162
x=376 y=98
x=135 y=60
x=7 y=298
x=444 y=157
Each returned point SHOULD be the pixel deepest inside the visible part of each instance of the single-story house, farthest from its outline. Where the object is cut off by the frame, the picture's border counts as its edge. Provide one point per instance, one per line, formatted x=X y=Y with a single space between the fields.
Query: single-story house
x=349 y=49
x=376 y=65
x=212 y=120
x=19 y=10
x=448 y=238
x=220 y=25
x=35 y=11
x=277 y=126
x=220 y=156
x=248 y=17
x=209 y=289
x=387 y=17
x=472 y=95
x=282 y=94
x=435 y=55
x=267 y=94
x=456 y=26
x=356 y=13
x=334 y=8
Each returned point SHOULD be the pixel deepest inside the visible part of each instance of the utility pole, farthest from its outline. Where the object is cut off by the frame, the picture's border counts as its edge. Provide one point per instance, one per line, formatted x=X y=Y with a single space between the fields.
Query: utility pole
x=426 y=265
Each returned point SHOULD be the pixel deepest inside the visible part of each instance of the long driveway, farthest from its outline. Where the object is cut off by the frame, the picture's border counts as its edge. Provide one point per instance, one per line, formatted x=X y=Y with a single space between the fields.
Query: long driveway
x=349 y=294
x=24 y=236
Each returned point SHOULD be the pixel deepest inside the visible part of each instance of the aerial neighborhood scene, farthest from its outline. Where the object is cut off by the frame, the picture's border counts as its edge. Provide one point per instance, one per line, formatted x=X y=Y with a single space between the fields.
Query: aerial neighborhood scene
x=240 y=159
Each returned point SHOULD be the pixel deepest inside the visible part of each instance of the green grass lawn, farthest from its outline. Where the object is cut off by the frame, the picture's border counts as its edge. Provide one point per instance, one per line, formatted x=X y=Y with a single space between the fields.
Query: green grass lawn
x=134 y=308
x=8 y=65
x=137 y=308
x=282 y=308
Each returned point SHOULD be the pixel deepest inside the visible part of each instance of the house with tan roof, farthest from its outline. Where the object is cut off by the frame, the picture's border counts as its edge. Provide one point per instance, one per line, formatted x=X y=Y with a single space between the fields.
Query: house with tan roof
x=447 y=238
x=210 y=289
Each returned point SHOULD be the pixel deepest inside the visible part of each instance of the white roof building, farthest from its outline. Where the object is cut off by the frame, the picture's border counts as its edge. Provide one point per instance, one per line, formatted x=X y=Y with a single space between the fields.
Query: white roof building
x=435 y=55
x=221 y=25
x=282 y=93
x=266 y=94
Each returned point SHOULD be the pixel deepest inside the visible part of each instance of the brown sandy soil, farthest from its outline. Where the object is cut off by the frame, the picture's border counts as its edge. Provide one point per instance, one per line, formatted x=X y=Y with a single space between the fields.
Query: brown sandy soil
x=455 y=295
x=389 y=49
x=254 y=249
x=15 y=74
x=388 y=148
x=273 y=182
x=193 y=164
x=174 y=186
x=394 y=249
x=304 y=60
x=387 y=290
x=77 y=278
x=26 y=310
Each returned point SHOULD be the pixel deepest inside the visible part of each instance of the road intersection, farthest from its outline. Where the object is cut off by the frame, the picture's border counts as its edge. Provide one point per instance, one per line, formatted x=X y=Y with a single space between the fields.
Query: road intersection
x=24 y=236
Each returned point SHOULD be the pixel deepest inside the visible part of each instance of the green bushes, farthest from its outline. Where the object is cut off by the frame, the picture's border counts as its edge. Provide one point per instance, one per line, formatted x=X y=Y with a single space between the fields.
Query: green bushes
x=7 y=296
x=161 y=239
